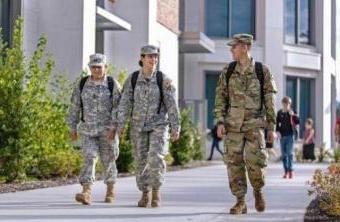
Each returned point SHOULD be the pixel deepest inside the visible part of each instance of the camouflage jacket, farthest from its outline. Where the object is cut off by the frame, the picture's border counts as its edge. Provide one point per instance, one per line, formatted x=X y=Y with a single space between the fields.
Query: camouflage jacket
x=244 y=94
x=144 y=101
x=99 y=110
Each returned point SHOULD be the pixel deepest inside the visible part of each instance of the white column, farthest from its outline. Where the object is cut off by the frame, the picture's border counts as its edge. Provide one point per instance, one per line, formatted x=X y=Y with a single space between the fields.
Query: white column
x=69 y=27
x=273 y=42
x=89 y=30
x=323 y=85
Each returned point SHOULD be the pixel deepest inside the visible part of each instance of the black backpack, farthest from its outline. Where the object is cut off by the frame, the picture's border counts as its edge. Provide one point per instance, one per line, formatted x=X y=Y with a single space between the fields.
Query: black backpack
x=83 y=80
x=159 y=76
x=259 y=74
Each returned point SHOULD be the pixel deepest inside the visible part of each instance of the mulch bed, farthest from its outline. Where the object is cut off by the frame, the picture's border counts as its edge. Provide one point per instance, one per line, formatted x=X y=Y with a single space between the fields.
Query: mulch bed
x=30 y=185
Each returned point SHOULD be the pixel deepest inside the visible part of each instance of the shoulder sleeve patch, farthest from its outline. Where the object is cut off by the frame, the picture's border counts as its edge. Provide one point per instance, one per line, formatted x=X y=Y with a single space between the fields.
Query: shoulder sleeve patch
x=167 y=83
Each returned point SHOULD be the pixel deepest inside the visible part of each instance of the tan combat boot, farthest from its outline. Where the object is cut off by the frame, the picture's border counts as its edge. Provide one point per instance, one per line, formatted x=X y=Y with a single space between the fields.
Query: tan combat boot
x=110 y=196
x=144 y=201
x=156 y=198
x=260 y=204
x=240 y=207
x=85 y=196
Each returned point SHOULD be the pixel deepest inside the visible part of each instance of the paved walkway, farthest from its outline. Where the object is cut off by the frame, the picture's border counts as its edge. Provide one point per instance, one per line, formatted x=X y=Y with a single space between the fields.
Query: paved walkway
x=200 y=194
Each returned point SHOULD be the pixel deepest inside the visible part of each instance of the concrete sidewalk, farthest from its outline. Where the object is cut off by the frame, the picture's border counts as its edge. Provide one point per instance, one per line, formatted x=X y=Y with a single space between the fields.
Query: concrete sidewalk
x=200 y=194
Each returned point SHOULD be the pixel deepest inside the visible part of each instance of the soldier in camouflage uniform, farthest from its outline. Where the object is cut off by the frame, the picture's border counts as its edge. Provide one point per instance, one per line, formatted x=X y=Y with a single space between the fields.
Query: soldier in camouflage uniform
x=244 y=108
x=94 y=105
x=151 y=103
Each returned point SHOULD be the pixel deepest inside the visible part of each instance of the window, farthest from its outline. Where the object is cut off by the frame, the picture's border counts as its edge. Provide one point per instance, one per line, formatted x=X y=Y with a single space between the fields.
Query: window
x=5 y=19
x=301 y=91
x=224 y=18
x=297 y=21
x=210 y=93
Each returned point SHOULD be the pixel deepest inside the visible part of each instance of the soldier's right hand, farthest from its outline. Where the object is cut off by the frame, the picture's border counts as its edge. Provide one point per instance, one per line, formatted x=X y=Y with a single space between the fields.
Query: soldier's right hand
x=73 y=135
x=120 y=132
x=110 y=135
x=220 y=131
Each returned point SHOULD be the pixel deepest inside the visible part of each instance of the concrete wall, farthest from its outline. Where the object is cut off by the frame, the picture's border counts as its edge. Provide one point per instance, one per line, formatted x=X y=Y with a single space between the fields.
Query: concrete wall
x=70 y=30
x=167 y=40
x=323 y=44
x=168 y=14
x=337 y=42
x=123 y=48
x=30 y=13
x=273 y=36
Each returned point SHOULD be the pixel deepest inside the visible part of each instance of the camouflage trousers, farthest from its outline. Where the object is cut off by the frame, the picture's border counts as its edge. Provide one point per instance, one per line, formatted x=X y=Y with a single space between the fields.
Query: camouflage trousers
x=245 y=153
x=108 y=153
x=149 y=152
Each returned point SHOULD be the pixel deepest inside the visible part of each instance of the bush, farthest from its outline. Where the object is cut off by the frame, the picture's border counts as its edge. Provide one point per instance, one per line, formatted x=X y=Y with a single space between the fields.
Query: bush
x=34 y=136
x=189 y=145
x=125 y=162
x=326 y=187
x=181 y=150
x=336 y=155
x=298 y=153
x=197 y=144
x=323 y=153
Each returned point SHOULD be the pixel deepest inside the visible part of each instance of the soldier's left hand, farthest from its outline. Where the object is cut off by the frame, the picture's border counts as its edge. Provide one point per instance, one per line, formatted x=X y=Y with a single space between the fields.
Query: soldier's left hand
x=110 y=135
x=174 y=136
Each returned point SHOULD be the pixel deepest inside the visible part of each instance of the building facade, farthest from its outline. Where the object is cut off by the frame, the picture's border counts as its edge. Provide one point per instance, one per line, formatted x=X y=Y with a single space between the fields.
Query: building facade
x=75 y=29
x=297 y=39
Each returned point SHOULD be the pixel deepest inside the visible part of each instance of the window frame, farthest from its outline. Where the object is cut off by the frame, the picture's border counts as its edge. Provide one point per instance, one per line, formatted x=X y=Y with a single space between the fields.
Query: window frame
x=297 y=24
x=5 y=20
x=229 y=20
x=297 y=106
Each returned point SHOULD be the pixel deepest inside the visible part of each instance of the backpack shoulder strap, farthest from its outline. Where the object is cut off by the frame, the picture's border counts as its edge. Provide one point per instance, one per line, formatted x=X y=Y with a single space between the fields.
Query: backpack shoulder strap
x=260 y=77
x=82 y=83
x=159 y=76
x=134 y=80
x=110 y=85
x=230 y=70
x=81 y=87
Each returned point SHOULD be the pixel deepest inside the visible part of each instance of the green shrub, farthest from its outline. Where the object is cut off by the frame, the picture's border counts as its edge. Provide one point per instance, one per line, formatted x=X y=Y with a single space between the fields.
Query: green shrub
x=33 y=133
x=125 y=162
x=12 y=69
x=336 y=155
x=197 y=144
x=323 y=153
x=181 y=150
x=189 y=145
x=326 y=187
x=298 y=153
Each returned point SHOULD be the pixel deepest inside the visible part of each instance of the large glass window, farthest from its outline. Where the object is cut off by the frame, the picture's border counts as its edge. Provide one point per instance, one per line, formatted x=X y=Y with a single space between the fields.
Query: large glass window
x=224 y=18
x=210 y=93
x=297 y=21
x=301 y=91
x=5 y=19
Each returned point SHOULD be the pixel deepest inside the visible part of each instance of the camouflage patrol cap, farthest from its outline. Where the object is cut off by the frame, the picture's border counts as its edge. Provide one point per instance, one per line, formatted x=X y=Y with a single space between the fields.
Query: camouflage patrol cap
x=241 y=38
x=149 y=49
x=97 y=60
